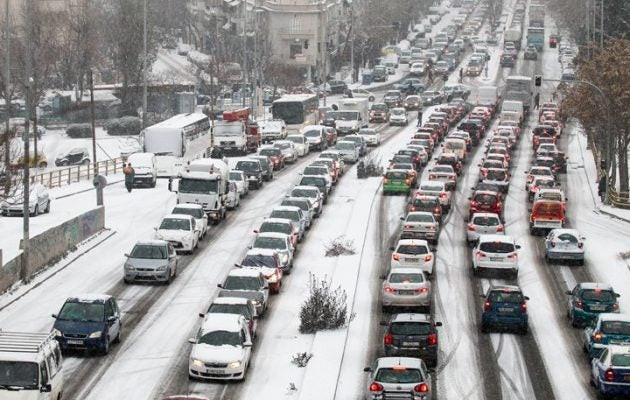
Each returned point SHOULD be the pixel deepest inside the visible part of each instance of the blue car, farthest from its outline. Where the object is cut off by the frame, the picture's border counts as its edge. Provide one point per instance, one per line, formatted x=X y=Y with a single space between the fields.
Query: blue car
x=589 y=299
x=610 y=372
x=504 y=307
x=88 y=322
x=609 y=328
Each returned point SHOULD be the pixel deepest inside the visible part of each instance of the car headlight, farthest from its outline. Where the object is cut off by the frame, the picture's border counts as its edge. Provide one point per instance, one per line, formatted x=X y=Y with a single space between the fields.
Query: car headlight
x=129 y=267
x=284 y=258
x=57 y=333
x=235 y=364
x=255 y=302
x=162 y=268
x=197 y=363
x=95 y=335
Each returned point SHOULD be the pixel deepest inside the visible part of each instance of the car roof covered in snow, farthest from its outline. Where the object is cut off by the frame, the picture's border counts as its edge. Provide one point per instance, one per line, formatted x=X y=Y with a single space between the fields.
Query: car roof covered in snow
x=89 y=298
x=178 y=216
x=595 y=285
x=411 y=317
x=276 y=235
x=496 y=238
x=406 y=270
x=152 y=242
x=221 y=322
x=278 y=220
x=244 y=272
x=188 y=205
x=303 y=187
x=413 y=242
x=230 y=300
x=614 y=317
x=390 y=362
x=286 y=208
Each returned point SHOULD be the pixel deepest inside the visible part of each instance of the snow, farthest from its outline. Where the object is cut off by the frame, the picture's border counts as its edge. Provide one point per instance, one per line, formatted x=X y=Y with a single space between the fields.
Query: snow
x=224 y=322
x=90 y=297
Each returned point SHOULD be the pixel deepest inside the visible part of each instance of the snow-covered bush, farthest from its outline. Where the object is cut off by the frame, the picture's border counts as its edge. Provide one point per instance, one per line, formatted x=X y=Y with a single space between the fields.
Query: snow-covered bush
x=127 y=125
x=79 y=131
x=340 y=246
x=325 y=307
x=373 y=165
x=301 y=359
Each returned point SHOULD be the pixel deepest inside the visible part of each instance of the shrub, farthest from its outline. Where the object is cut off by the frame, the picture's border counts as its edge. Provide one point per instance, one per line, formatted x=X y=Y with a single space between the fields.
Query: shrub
x=340 y=246
x=325 y=307
x=127 y=125
x=79 y=131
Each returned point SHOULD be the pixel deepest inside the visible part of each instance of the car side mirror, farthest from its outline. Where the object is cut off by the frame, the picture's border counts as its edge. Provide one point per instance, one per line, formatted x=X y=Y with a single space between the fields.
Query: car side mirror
x=367 y=369
x=568 y=292
x=438 y=324
x=617 y=295
x=155 y=228
x=201 y=315
x=220 y=285
x=392 y=248
x=526 y=297
x=382 y=276
x=529 y=210
x=47 y=388
x=247 y=344
x=518 y=246
x=126 y=255
x=54 y=316
x=192 y=340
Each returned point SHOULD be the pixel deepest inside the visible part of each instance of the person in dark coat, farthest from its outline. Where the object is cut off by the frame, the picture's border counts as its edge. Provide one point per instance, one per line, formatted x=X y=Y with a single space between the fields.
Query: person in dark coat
x=461 y=75
x=130 y=173
x=601 y=187
x=536 y=101
x=419 y=119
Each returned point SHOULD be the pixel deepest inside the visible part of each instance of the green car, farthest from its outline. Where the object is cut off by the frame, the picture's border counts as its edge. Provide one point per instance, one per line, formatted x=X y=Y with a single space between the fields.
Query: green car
x=396 y=181
x=588 y=299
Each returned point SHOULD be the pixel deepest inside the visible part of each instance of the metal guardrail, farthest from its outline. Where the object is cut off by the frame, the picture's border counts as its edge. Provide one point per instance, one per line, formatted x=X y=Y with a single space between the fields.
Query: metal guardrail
x=76 y=173
x=619 y=199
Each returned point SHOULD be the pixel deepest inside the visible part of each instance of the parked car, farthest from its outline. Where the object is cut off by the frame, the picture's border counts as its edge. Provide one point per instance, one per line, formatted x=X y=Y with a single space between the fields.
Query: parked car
x=564 y=244
x=398 y=377
x=412 y=335
x=38 y=202
x=222 y=348
x=406 y=287
x=589 y=299
x=151 y=261
x=504 y=307
x=495 y=252
x=88 y=322
x=75 y=156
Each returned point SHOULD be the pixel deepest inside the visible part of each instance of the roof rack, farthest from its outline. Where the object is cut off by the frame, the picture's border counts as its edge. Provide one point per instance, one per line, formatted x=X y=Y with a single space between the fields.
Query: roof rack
x=23 y=342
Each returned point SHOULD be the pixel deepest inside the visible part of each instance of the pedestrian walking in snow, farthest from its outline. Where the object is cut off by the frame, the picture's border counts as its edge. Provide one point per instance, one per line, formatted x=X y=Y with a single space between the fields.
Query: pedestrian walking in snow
x=601 y=188
x=536 y=101
x=461 y=75
x=554 y=95
x=419 y=123
x=430 y=76
x=130 y=173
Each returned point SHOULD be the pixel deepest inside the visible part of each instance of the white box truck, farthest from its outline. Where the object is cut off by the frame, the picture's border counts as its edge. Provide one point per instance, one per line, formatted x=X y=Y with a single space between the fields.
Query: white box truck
x=488 y=96
x=512 y=106
x=352 y=115
x=205 y=182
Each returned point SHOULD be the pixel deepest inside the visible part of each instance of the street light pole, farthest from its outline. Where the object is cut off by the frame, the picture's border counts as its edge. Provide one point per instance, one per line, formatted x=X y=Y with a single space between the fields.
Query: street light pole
x=244 y=52
x=144 y=67
x=93 y=123
x=24 y=274
x=352 y=40
x=601 y=24
x=7 y=88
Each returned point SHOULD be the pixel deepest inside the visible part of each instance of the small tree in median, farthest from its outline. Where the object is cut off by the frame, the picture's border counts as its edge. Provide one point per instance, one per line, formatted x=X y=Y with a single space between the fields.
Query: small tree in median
x=325 y=307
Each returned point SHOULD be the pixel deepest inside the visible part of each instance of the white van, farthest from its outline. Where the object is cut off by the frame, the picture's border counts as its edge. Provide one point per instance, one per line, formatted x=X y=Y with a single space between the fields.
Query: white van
x=456 y=146
x=30 y=366
x=144 y=165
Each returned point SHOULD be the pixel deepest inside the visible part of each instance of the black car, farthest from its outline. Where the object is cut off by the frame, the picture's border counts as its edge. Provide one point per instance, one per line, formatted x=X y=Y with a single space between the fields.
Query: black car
x=337 y=87
x=76 y=156
x=412 y=335
x=379 y=112
x=379 y=74
x=473 y=129
x=393 y=98
x=530 y=53
x=507 y=60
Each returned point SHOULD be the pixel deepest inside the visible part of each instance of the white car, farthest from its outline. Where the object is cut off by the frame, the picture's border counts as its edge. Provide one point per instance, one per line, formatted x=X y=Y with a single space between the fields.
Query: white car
x=566 y=245
x=180 y=230
x=301 y=144
x=222 y=348
x=233 y=196
x=498 y=252
x=360 y=93
x=288 y=149
x=275 y=129
x=482 y=223
x=417 y=69
x=398 y=116
x=413 y=253
x=39 y=202
x=240 y=179
x=371 y=136
x=422 y=152
x=348 y=150
x=280 y=243
x=195 y=211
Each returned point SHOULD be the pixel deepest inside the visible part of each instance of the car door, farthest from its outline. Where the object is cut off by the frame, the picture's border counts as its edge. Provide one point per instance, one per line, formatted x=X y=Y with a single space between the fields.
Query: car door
x=597 y=364
x=172 y=258
x=113 y=318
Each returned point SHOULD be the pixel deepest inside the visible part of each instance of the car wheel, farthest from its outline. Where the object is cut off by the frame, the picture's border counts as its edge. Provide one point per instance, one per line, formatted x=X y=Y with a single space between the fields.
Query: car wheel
x=47 y=210
x=117 y=340
x=35 y=212
x=126 y=281
x=484 y=328
x=106 y=347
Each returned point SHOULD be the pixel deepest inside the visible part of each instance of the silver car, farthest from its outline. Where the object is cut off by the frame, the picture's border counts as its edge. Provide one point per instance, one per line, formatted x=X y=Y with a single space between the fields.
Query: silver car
x=420 y=225
x=398 y=378
x=280 y=243
x=565 y=245
x=348 y=150
x=483 y=224
x=39 y=202
x=313 y=194
x=444 y=173
x=151 y=261
x=248 y=283
x=295 y=214
x=436 y=188
x=288 y=149
x=304 y=204
x=406 y=287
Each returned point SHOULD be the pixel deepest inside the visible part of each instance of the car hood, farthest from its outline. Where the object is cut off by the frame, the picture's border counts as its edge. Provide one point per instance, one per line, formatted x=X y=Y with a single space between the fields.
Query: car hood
x=170 y=234
x=219 y=354
x=78 y=327
x=146 y=262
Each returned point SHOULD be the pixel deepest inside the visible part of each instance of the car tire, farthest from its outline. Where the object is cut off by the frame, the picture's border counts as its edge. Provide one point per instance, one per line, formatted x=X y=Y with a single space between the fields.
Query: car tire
x=47 y=209
x=117 y=339
x=524 y=330
x=105 y=349
x=35 y=212
x=484 y=328
x=127 y=281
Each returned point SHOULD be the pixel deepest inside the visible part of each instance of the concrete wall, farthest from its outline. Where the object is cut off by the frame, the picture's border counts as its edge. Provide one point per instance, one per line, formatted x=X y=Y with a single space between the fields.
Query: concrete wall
x=50 y=246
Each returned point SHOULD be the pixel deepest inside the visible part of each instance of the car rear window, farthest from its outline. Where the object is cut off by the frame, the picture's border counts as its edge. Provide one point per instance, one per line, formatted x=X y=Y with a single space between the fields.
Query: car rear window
x=396 y=175
x=420 y=218
x=616 y=327
x=486 y=221
x=485 y=198
x=275 y=227
x=410 y=328
x=604 y=296
x=505 y=296
x=412 y=249
x=496 y=175
x=398 y=375
x=496 y=247
x=399 y=277
x=620 y=360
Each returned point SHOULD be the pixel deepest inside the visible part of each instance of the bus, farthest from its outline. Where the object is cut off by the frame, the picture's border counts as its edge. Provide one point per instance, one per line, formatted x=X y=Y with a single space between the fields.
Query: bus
x=296 y=110
x=176 y=141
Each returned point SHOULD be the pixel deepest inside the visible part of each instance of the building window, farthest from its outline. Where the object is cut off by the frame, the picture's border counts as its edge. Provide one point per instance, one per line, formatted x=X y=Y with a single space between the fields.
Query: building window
x=294 y=49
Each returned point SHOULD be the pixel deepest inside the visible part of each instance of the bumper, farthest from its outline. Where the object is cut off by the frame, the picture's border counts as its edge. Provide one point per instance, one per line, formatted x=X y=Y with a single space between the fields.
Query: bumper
x=378 y=118
x=143 y=180
x=414 y=300
x=139 y=276
x=427 y=353
x=81 y=344
x=425 y=235
x=614 y=388
x=181 y=246
x=424 y=266
x=496 y=265
x=507 y=322
x=562 y=255
x=396 y=189
x=217 y=373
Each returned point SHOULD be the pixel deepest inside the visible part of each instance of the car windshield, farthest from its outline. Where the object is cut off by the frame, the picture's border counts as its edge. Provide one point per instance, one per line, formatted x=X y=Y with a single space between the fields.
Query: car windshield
x=239 y=309
x=345 y=146
x=247 y=166
x=19 y=374
x=188 y=185
x=221 y=338
x=397 y=111
x=443 y=169
x=486 y=221
x=412 y=249
x=315 y=171
x=399 y=277
x=598 y=295
x=616 y=328
x=312 y=133
x=348 y=115
x=286 y=214
x=430 y=188
x=193 y=212
x=504 y=296
x=313 y=181
x=496 y=247
x=485 y=198
x=150 y=252
x=392 y=93
x=420 y=218
x=548 y=183
x=275 y=227
x=175 y=224
x=398 y=375
x=567 y=237
x=263 y=242
x=82 y=311
x=270 y=152
x=379 y=107
x=396 y=175
x=620 y=360
x=236 y=176
x=259 y=260
x=242 y=283
x=410 y=328
x=402 y=166
x=296 y=139
x=310 y=193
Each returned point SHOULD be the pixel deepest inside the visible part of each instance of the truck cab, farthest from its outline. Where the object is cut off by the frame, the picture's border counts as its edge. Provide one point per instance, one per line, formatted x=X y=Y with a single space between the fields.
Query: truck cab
x=205 y=183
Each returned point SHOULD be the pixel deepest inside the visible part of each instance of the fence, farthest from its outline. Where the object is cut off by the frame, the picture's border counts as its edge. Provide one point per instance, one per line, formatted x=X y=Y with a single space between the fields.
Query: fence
x=76 y=173
x=618 y=199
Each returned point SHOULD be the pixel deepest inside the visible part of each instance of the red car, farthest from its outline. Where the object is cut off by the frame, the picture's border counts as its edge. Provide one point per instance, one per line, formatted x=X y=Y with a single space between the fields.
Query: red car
x=439 y=128
x=485 y=201
x=275 y=155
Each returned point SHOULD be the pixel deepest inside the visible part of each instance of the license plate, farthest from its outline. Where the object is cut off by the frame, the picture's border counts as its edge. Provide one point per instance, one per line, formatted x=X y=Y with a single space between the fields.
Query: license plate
x=407 y=292
x=214 y=371
x=598 y=307
x=75 y=341
x=504 y=309
x=411 y=259
x=413 y=344
x=496 y=259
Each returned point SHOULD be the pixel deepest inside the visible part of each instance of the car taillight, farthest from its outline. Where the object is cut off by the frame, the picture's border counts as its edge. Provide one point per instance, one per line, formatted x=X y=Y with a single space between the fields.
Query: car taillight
x=385 y=181
x=442 y=195
x=479 y=255
x=500 y=228
x=580 y=245
x=473 y=203
x=376 y=387
x=615 y=306
x=487 y=305
x=428 y=258
x=578 y=304
x=452 y=177
x=533 y=188
x=431 y=177
x=396 y=257
x=408 y=181
x=513 y=256
x=609 y=375
x=471 y=227
x=597 y=336
x=388 y=339
x=413 y=208
x=422 y=290
x=432 y=339
x=416 y=158
x=421 y=388
x=389 y=289
x=524 y=307
x=437 y=210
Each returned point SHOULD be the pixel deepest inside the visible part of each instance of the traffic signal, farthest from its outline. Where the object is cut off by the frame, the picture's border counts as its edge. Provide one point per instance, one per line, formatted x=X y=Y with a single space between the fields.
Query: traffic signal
x=538 y=80
x=396 y=25
x=306 y=44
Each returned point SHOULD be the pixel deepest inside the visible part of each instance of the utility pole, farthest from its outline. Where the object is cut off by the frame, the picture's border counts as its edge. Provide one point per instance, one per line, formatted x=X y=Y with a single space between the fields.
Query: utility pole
x=24 y=269
x=352 y=39
x=601 y=24
x=144 y=69
x=7 y=89
x=93 y=123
